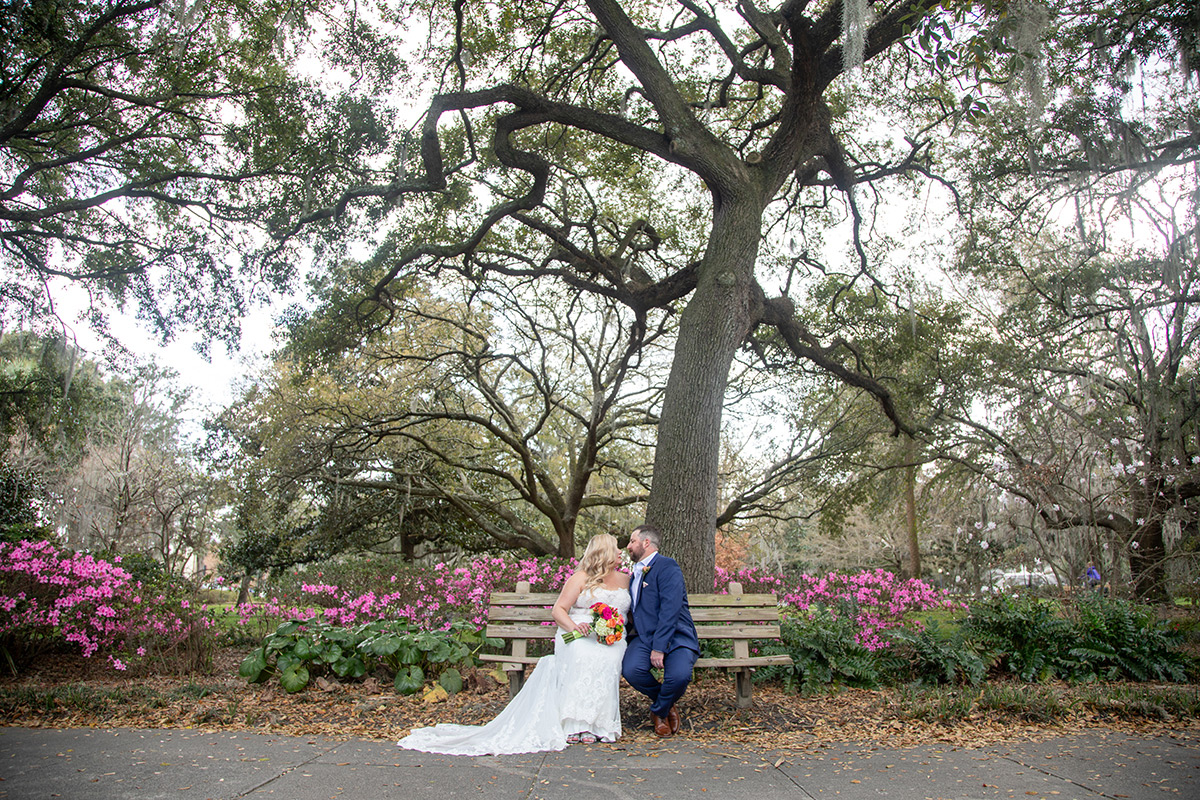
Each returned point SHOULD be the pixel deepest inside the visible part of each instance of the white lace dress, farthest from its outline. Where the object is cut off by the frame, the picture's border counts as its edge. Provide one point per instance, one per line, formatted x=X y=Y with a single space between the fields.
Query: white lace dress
x=572 y=691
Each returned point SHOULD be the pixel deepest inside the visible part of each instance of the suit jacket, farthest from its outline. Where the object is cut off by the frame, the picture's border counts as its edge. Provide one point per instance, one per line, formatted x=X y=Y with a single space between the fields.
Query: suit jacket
x=662 y=616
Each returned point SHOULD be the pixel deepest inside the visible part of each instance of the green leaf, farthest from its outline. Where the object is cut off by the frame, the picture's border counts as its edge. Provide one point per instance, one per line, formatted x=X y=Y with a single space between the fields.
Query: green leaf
x=383 y=645
x=353 y=667
x=254 y=666
x=441 y=653
x=408 y=653
x=288 y=628
x=303 y=650
x=294 y=678
x=451 y=680
x=409 y=680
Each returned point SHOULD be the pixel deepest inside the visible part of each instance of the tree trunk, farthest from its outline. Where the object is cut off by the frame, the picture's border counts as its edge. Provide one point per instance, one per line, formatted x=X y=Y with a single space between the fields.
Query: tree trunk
x=910 y=507
x=244 y=590
x=713 y=325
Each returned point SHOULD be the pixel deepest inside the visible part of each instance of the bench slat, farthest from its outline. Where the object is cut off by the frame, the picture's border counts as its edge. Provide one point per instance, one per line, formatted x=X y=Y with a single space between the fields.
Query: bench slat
x=519 y=614
x=522 y=631
x=749 y=631
x=694 y=600
x=515 y=661
x=700 y=615
x=727 y=614
x=737 y=631
x=731 y=600
x=752 y=661
x=522 y=599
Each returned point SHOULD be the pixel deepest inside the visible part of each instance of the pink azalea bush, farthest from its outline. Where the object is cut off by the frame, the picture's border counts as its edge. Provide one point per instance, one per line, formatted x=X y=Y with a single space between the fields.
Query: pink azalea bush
x=49 y=596
x=431 y=599
x=877 y=600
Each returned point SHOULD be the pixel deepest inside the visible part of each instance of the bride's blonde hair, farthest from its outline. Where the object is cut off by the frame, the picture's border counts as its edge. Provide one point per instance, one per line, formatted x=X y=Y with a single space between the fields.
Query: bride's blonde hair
x=598 y=559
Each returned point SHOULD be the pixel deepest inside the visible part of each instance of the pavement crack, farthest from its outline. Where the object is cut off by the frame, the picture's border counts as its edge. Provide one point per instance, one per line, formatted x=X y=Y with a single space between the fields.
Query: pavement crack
x=287 y=771
x=794 y=782
x=1064 y=778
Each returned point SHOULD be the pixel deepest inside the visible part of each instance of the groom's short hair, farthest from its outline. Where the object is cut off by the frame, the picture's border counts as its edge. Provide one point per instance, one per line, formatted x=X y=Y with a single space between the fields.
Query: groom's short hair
x=649 y=534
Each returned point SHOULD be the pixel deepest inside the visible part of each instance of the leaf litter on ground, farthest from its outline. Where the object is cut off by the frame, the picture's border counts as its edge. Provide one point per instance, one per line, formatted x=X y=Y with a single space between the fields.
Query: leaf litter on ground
x=371 y=709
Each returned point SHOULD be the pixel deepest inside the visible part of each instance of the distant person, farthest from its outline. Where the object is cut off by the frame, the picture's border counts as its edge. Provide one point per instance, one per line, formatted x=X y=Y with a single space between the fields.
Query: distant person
x=662 y=634
x=1093 y=577
x=573 y=695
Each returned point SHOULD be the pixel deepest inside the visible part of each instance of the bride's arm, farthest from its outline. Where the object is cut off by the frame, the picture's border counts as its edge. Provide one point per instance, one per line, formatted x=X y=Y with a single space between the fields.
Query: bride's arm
x=566 y=599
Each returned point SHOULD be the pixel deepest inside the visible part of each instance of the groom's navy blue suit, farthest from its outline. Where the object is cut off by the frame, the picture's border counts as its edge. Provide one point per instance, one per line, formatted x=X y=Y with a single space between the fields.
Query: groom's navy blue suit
x=661 y=621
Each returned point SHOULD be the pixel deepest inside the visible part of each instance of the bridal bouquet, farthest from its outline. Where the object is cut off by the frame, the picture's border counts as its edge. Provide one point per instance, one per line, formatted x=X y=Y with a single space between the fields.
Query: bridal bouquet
x=607 y=624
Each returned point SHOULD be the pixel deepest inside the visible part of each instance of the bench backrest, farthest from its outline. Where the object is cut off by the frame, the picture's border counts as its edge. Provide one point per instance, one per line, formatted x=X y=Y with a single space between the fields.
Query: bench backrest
x=524 y=615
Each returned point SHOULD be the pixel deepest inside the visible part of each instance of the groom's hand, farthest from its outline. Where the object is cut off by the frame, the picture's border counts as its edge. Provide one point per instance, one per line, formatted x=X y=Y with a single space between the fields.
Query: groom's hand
x=656 y=659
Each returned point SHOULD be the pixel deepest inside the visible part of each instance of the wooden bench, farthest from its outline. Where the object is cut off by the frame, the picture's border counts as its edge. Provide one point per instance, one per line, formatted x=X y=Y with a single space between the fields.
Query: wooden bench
x=523 y=616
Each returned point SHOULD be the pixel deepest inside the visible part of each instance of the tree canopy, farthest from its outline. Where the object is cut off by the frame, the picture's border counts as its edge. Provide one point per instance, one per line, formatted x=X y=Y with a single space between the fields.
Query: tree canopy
x=699 y=161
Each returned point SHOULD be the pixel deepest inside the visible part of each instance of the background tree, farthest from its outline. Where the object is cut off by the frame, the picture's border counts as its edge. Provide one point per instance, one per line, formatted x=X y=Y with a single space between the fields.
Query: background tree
x=1083 y=240
x=515 y=416
x=50 y=397
x=137 y=151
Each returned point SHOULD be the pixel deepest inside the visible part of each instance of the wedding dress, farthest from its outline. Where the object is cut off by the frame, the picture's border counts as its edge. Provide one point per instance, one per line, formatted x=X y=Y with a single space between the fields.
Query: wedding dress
x=575 y=690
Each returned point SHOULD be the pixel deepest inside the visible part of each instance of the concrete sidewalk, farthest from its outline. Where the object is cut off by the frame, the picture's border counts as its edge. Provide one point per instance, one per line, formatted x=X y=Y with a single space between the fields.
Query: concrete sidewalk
x=125 y=764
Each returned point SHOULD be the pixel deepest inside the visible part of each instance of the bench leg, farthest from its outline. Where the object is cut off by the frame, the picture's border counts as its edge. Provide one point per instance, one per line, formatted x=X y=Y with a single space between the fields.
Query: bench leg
x=516 y=679
x=744 y=691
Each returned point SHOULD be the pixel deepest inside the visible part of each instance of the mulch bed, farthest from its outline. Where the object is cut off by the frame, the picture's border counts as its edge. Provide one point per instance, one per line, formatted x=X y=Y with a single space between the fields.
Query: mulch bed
x=371 y=709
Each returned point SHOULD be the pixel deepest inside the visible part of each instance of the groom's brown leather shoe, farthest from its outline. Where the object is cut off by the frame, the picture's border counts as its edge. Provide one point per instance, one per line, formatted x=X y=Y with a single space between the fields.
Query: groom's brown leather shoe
x=661 y=726
x=673 y=720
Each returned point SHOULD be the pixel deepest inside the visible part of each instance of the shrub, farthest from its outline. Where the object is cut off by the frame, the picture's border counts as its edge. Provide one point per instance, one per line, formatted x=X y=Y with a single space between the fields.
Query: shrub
x=824 y=648
x=1120 y=639
x=936 y=655
x=430 y=598
x=52 y=598
x=1026 y=637
x=299 y=651
x=877 y=601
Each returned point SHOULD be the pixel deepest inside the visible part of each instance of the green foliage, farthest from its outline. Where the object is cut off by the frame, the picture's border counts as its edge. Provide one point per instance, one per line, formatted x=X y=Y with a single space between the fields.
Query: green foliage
x=936 y=655
x=20 y=495
x=1027 y=637
x=935 y=704
x=126 y=105
x=1133 y=701
x=1106 y=639
x=1031 y=703
x=297 y=652
x=1120 y=639
x=50 y=396
x=823 y=650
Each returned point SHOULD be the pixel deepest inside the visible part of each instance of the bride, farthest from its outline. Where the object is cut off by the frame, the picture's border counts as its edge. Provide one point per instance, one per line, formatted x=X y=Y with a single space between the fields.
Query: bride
x=572 y=695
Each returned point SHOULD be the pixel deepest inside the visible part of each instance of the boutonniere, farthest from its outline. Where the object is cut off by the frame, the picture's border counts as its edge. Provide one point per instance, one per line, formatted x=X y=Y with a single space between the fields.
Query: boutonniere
x=646 y=569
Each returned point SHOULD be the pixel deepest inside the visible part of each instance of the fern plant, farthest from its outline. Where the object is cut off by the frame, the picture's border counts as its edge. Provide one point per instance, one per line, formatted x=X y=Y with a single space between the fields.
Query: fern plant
x=1026 y=637
x=1119 y=639
x=934 y=655
x=824 y=650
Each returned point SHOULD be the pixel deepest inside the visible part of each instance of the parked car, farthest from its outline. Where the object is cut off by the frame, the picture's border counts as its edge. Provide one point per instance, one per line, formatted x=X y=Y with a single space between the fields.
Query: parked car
x=1022 y=579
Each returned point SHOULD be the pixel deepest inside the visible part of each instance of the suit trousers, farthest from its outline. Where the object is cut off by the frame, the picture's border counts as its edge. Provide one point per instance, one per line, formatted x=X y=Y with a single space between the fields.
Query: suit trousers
x=677 y=673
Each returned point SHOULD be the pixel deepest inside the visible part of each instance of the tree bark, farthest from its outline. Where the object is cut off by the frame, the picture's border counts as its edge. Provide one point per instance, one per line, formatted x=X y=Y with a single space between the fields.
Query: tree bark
x=910 y=507
x=713 y=325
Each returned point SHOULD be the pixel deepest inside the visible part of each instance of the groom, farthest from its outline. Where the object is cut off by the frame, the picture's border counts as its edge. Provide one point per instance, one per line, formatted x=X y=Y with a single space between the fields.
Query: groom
x=662 y=634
